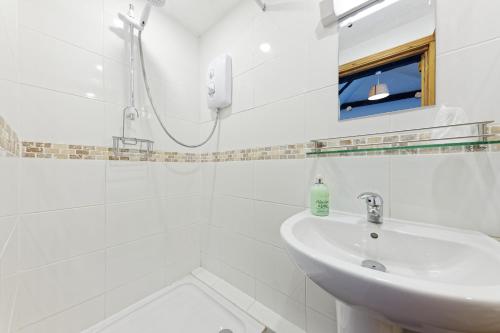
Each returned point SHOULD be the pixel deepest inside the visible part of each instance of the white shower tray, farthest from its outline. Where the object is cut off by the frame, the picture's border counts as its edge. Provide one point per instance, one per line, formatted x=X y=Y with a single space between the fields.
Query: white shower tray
x=187 y=306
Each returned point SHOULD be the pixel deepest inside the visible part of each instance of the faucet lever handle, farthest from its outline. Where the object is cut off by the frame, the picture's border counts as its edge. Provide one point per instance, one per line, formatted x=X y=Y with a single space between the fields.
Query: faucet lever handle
x=372 y=199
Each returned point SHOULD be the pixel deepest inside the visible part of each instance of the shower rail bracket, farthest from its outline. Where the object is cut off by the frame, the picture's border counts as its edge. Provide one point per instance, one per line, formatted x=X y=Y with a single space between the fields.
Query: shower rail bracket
x=122 y=144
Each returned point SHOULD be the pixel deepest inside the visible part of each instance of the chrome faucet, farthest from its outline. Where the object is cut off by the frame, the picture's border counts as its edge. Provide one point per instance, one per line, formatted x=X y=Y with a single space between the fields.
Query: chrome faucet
x=374 y=207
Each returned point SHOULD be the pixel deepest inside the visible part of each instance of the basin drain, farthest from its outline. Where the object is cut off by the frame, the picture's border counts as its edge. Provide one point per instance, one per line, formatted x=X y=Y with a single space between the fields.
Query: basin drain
x=375 y=265
x=225 y=330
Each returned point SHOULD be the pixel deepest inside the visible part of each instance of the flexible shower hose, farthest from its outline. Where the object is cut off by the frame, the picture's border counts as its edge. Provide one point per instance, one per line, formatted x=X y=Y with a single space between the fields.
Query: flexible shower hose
x=150 y=97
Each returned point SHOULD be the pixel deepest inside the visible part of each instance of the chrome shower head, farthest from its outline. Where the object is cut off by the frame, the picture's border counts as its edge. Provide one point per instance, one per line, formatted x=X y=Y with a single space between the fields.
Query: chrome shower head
x=147 y=10
x=157 y=3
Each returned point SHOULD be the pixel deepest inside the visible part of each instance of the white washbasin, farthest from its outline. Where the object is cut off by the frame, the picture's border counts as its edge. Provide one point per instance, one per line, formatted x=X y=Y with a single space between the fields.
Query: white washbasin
x=437 y=278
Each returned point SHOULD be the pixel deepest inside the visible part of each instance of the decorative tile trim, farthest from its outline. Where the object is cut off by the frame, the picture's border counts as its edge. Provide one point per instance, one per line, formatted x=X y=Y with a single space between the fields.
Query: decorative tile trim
x=282 y=152
x=9 y=141
x=80 y=152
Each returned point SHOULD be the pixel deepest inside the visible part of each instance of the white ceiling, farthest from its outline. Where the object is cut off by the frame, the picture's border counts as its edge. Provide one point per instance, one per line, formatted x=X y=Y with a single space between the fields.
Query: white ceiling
x=199 y=15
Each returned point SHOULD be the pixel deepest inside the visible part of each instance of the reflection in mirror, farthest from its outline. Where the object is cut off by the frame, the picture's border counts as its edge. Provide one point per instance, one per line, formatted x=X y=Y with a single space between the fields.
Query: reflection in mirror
x=386 y=65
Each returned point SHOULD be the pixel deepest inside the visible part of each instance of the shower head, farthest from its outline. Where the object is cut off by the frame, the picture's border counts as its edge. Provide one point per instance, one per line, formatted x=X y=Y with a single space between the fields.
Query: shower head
x=147 y=10
x=141 y=23
x=157 y=3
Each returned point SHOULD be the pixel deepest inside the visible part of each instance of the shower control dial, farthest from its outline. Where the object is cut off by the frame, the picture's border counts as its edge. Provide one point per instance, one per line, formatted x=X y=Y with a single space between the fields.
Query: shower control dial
x=211 y=88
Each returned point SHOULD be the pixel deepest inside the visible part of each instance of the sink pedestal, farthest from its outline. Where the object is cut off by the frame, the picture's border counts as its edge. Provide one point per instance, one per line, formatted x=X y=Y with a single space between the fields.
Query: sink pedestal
x=352 y=320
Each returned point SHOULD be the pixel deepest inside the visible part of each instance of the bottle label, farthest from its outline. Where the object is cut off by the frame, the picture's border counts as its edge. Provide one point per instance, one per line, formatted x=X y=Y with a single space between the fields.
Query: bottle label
x=322 y=206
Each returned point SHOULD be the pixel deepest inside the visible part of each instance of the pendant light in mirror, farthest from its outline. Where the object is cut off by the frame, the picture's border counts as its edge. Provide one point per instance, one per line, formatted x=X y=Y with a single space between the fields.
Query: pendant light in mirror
x=379 y=90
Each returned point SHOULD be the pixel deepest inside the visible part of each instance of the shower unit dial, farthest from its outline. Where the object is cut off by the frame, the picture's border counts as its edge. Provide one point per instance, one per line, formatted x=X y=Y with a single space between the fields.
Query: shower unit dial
x=220 y=82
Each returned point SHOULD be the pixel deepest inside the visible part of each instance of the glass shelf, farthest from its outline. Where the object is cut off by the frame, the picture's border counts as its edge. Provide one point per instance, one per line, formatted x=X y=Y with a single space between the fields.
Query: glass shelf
x=477 y=138
x=471 y=145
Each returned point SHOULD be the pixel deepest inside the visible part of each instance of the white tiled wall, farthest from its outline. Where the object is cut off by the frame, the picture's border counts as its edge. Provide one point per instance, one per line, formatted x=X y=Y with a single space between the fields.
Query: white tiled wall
x=289 y=95
x=80 y=240
x=68 y=62
x=90 y=238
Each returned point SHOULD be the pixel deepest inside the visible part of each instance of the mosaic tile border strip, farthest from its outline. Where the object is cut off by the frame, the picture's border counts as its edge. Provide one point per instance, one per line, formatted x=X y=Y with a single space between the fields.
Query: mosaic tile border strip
x=281 y=152
x=46 y=150
x=9 y=141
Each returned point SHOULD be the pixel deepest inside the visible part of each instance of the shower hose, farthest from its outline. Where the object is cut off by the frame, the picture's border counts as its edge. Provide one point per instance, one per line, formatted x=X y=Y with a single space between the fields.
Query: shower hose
x=150 y=97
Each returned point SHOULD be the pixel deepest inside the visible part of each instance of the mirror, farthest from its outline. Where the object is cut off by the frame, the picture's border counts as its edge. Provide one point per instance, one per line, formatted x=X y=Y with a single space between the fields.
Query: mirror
x=387 y=56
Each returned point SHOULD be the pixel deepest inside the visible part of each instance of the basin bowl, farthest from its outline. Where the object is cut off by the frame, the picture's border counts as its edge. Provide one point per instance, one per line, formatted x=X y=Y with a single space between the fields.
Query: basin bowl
x=436 y=279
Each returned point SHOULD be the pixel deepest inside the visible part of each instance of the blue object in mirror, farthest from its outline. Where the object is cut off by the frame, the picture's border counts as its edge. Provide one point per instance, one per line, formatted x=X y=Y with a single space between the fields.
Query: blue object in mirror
x=392 y=87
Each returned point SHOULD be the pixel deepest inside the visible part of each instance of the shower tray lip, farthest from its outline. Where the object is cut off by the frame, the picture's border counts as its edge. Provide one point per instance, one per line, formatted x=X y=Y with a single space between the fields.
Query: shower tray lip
x=251 y=324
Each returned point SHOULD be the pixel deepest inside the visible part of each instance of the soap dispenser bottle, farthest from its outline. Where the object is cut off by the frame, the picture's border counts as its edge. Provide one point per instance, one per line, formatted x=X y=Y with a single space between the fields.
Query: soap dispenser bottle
x=320 y=198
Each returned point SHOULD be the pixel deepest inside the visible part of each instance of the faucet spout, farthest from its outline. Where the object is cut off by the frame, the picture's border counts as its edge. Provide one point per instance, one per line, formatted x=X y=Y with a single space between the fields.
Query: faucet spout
x=374 y=207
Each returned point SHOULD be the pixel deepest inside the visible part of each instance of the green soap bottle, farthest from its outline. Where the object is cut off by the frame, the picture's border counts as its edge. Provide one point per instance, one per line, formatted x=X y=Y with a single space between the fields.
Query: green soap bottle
x=320 y=198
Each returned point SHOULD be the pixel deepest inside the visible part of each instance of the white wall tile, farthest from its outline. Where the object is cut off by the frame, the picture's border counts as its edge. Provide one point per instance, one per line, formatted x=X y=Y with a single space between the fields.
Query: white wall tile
x=53 y=64
x=234 y=214
x=278 y=123
x=268 y=220
x=129 y=293
x=127 y=181
x=238 y=279
x=322 y=62
x=456 y=190
x=461 y=23
x=49 y=116
x=180 y=211
x=9 y=190
x=116 y=82
x=51 y=289
x=9 y=93
x=73 y=320
x=280 y=181
x=281 y=78
x=320 y=300
x=182 y=251
x=45 y=238
x=322 y=113
x=208 y=177
x=243 y=92
x=115 y=37
x=76 y=22
x=180 y=102
x=477 y=64
x=130 y=261
x=276 y=269
x=235 y=178
x=318 y=323
x=287 y=307
x=234 y=132
x=133 y=220
x=238 y=251
x=233 y=249
x=9 y=256
x=176 y=179
x=58 y=184
x=9 y=39
x=9 y=288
